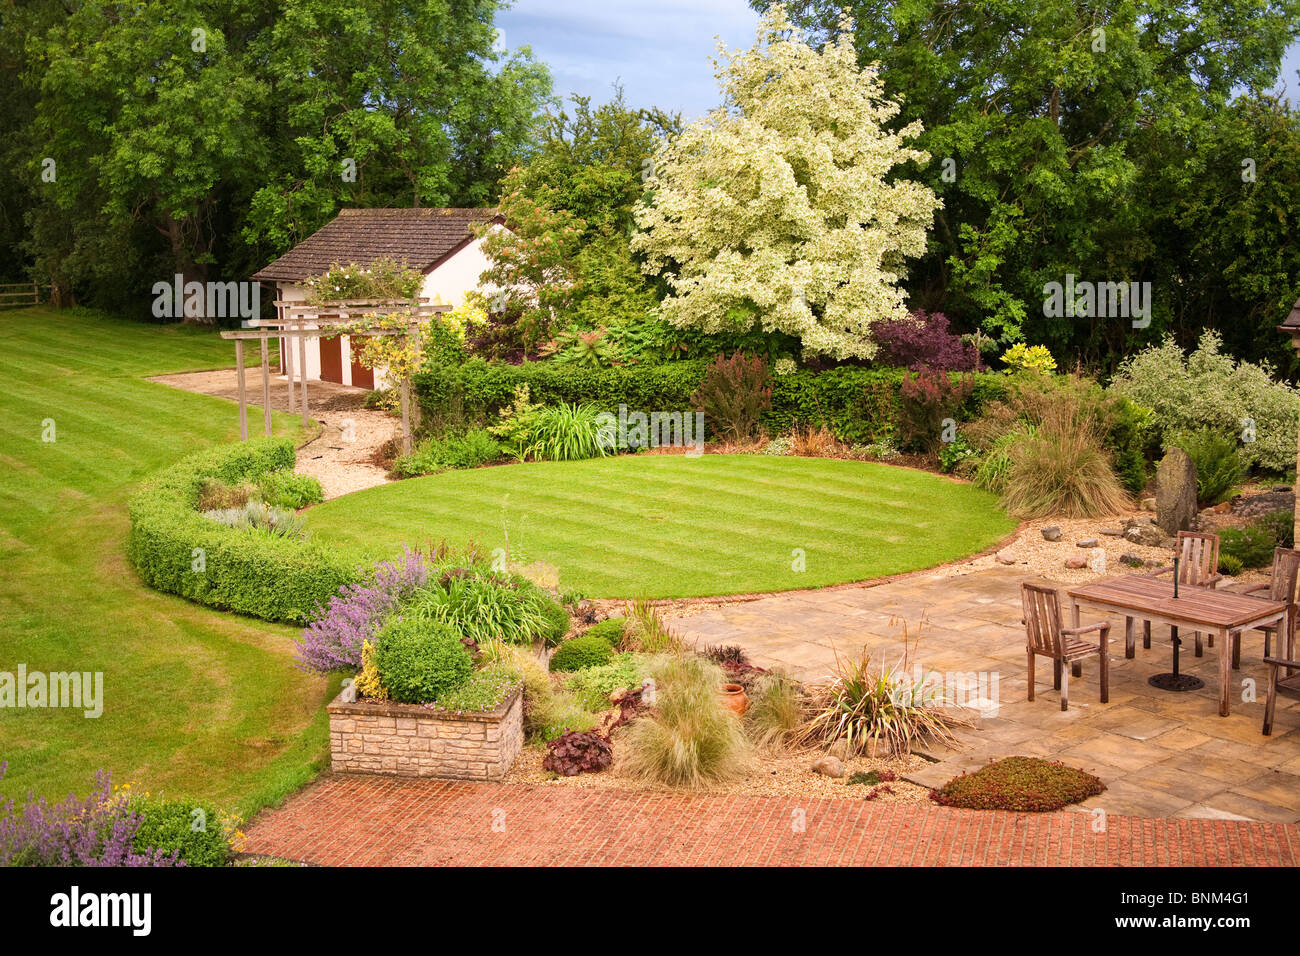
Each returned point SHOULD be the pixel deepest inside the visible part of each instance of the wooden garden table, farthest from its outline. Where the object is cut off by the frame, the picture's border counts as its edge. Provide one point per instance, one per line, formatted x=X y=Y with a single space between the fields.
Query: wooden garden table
x=1139 y=596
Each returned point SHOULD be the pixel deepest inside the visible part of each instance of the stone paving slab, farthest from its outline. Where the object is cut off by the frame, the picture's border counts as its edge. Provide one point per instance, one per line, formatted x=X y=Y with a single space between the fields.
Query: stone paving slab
x=1160 y=753
x=346 y=819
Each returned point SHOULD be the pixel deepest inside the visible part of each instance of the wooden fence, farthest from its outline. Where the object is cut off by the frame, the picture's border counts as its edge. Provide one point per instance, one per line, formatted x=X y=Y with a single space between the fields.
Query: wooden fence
x=16 y=295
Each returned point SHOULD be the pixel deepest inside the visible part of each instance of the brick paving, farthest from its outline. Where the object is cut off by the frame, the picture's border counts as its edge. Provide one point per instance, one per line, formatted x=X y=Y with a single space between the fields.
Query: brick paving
x=1160 y=754
x=368 y=820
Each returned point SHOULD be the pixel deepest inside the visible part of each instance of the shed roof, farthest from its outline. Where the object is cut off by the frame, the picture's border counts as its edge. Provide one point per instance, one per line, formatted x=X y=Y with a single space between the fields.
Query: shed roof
x=1292 y=322
x=423 y=237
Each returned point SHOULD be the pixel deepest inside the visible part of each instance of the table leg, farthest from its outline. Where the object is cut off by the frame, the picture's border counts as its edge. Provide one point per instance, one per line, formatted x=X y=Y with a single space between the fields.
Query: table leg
x=1074 y=613
x=1129 y=650
x=1225 y=671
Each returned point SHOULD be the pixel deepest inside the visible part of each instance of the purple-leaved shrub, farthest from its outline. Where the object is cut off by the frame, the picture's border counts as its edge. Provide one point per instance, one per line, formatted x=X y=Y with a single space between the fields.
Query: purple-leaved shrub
x=923 y=342
x=333 y=640
x=98 y=830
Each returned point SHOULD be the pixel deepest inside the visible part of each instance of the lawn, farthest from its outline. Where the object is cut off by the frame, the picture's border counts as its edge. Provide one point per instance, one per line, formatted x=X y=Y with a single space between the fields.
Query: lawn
x=196 y=703
x=671 y=526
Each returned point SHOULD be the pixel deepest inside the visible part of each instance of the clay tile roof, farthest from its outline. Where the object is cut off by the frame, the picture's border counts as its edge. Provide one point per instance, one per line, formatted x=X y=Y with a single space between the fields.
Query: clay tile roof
x=1292 y=322
x=423 y=237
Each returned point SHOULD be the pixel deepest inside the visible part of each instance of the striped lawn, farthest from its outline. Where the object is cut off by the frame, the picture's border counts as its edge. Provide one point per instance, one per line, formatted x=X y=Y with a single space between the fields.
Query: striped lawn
x=197 y=703
x=671 y=526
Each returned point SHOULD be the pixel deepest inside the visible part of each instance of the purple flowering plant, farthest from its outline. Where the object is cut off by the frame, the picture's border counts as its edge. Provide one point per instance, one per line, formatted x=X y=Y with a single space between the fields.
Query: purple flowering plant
x=333 y=640
x=97 y=830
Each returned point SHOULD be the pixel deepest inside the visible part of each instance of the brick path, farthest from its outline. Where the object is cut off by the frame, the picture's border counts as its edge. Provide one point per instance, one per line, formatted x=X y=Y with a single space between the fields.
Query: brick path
x=365 y=820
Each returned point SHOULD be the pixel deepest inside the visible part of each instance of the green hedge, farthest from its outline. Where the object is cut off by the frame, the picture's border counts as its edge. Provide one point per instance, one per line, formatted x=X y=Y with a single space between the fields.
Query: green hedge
x=858 y=404
x=277 y=579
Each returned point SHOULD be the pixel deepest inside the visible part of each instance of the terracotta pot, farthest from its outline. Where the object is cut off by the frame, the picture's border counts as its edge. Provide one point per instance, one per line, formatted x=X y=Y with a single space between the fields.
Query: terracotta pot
x=734 y=699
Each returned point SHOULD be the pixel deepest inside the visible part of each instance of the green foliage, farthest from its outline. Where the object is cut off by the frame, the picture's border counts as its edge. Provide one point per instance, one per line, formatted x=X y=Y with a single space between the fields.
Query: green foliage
x=580 y=652
x=487 y=689
x=1036 y=359
x=734 y=394
x=586 y=349
x=1020 y=785
x=419 y=662
x=1218 y=465
x=256 y=516
x=486 y=606
x=690 y=739
x=611 y=629
x=1060 y=468
x=953 y=453
x=1209 y=389
x=1252 y=546
x=178 y=550
x=515 y=427
x=566 y=433
x=470 y=449
x=557 y=622
x=591 y=686
x=384 y=279
x=927 y=399
x=196 y=832
x=549 y=711
x=284 y=489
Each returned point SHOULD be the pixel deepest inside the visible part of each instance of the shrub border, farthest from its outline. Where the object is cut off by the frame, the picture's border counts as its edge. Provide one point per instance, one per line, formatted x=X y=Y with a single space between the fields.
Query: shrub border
x=276 y=579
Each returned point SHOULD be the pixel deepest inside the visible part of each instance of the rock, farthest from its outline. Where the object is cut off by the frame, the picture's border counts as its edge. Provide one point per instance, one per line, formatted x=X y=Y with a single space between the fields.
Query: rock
x=1112 y=532
x=1153 y=563
x=1077 y=563
x=1052 y=533
x=1280 y=488
x=1087 y=543
x=1148 y=504
x=829 y=766
x=1131 y=559
x=1142 y=530
x=1175 y=492
x=1004 y=557
x=1222 y=508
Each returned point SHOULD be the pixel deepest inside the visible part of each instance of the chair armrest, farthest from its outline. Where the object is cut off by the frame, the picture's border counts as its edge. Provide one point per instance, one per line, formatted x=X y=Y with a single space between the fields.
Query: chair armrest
x=1212 y=580
x=1255 y=587
x=1103 y=626
x=1159 y=571
x=1281 y=663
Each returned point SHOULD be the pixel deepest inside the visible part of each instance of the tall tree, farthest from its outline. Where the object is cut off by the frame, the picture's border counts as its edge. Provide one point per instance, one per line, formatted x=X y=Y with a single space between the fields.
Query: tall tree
x=784 y=208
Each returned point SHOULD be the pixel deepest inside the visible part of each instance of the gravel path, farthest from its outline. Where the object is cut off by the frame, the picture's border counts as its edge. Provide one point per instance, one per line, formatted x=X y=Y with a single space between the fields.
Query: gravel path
x=342 y=455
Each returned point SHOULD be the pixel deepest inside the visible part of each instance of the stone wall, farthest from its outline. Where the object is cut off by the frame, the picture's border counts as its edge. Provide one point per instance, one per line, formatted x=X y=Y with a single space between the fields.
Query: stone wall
x=411 y=741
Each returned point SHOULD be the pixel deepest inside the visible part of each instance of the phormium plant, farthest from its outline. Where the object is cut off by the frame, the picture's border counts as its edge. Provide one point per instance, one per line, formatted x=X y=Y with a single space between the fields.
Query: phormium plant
x=735 y=393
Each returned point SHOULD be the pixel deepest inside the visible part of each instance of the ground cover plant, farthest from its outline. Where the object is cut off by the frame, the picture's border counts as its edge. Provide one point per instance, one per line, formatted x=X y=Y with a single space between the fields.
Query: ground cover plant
x=239 y=724
x=682 y=526
x=1021 y=785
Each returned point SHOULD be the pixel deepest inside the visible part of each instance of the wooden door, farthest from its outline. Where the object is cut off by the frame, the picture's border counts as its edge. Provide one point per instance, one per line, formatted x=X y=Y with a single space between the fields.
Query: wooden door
x=331 y=359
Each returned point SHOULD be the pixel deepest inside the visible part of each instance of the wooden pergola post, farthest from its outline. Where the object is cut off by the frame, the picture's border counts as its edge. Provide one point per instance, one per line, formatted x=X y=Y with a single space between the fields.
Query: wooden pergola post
x=302 y=374
x=266 y=385
x=243 y=396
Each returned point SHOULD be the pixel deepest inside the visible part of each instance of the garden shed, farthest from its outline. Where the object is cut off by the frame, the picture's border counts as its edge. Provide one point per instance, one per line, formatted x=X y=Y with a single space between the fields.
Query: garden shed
x=440 y=243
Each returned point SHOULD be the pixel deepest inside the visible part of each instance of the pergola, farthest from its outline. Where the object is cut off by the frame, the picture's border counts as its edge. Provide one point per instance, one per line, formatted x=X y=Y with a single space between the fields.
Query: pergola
x=296 y=321
x=1291 y=326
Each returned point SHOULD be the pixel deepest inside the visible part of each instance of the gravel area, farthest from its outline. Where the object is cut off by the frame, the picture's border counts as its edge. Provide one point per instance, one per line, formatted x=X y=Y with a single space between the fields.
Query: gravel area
x=342 y=454
x=774 y=775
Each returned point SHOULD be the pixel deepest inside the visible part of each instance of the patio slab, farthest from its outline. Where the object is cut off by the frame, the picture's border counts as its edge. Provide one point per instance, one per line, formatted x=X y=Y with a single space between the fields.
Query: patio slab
x=1159 y=753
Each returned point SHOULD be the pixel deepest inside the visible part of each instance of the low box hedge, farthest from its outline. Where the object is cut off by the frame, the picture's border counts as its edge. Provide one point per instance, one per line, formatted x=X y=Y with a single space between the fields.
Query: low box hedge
x=177 y=550
x=859 y=404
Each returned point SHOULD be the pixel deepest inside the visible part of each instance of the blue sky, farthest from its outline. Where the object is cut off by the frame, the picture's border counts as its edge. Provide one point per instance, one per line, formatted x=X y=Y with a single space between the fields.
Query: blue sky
x=659 y=49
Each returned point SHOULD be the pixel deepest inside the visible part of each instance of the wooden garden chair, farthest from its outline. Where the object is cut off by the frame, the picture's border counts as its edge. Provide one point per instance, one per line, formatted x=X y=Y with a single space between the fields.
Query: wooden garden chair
x=1198 y=567
x=1048 y=638
x=1280 y=587
x=1288 y=686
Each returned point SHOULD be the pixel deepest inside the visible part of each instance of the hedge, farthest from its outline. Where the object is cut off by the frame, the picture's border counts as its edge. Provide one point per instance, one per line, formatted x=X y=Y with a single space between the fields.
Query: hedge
x=179 y=551
x=858 y=404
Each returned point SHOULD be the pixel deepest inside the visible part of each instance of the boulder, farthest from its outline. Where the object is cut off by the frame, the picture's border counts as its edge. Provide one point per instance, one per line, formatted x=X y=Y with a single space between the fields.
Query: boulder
x=1142 y=530
x=1076 y=563
x=1176 y=492
x=1004 y=557
x=1148 y=504
x=1052 y=533
x=829 y=766
x=1087 y=543
x=1131 y=559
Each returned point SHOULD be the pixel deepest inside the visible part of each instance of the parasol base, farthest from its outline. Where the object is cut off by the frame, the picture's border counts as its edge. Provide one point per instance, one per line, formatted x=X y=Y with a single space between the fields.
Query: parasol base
x=1179 y=682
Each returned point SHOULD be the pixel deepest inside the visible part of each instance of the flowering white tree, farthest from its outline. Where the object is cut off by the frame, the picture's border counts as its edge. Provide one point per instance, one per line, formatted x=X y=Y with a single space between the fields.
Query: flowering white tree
x=778 y=208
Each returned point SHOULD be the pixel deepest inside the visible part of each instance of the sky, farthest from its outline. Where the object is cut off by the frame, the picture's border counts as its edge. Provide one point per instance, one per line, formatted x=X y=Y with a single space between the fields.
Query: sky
x=658 y=49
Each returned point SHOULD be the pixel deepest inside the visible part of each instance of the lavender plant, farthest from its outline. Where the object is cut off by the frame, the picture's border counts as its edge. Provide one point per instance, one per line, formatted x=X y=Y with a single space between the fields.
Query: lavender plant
x=333 y=640
x=98 y=830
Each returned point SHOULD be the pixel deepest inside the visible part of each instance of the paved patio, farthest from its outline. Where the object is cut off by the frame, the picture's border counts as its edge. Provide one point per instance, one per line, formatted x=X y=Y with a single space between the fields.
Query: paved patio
x=1160 y=754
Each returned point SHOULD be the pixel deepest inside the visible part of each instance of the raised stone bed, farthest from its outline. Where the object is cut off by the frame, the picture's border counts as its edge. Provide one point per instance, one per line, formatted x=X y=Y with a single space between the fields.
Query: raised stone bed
x=408 y=740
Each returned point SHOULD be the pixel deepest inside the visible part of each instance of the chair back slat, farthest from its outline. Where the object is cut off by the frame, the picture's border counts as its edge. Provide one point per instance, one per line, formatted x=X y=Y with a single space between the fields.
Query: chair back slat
x=1286 y=573
x=1199 y=553
x=1042 y=618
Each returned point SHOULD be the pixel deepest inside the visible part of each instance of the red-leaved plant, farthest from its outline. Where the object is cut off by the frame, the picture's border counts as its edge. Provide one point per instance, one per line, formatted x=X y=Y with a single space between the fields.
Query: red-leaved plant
x=578 y=752
x=735 y=393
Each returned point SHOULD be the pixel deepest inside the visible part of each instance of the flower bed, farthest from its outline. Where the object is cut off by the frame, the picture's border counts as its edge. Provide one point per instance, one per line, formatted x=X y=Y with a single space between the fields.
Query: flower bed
x=412 y=740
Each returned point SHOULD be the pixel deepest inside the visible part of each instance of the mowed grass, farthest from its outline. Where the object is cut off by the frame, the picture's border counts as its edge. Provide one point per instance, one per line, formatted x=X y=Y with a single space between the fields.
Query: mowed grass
x=196 y=703
x=665 y=526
